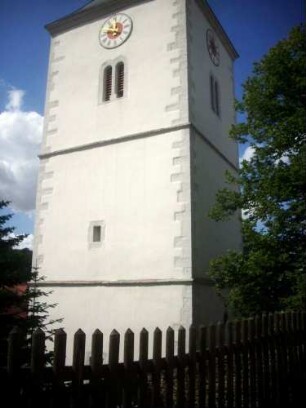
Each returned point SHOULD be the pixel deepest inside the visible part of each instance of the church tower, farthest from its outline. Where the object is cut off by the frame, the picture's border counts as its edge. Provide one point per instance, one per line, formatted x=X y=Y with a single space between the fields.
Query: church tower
x=139 y=105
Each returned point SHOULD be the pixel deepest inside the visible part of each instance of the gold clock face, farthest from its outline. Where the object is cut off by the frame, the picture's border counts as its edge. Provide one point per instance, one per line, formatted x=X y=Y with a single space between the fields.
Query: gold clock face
x=115 y=31
x=213 y=47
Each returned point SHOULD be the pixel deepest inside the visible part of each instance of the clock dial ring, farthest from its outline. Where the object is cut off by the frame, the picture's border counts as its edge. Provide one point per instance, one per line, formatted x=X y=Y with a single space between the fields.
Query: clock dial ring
x=213 y=47
x=115 y=31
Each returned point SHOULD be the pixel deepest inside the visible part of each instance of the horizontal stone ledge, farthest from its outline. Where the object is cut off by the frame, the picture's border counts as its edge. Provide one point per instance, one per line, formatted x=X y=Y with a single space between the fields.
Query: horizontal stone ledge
x=146 y=282
x=136 y=136
x=117 y=140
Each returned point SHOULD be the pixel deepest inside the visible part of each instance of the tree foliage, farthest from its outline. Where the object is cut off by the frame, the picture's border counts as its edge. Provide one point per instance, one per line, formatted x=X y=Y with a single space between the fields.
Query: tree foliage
x=270 y=272
x=21 y=298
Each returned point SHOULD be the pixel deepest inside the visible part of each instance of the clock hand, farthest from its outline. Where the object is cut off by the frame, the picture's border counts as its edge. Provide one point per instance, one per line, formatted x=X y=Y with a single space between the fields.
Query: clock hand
x=110 y=30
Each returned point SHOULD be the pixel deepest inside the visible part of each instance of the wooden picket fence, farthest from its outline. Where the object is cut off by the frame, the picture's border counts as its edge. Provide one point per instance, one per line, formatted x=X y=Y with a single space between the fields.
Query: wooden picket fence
x=251 y=363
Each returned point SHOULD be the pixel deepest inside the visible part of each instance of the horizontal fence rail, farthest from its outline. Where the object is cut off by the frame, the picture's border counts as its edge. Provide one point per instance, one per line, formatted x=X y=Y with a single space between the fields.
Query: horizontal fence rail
x=251 y=363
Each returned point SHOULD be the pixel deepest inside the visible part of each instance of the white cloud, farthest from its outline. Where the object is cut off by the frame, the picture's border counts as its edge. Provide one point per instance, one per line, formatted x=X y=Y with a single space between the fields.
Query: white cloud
x=250 y=151
x=245 y=214
x=27 y=242
x=247 y=154
x=15 y=100
x=20 y=138
x=284 y=159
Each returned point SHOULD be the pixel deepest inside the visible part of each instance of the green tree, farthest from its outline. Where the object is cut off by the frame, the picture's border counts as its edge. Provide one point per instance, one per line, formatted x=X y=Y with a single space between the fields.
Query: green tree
x=21 y=297
x=270 y=272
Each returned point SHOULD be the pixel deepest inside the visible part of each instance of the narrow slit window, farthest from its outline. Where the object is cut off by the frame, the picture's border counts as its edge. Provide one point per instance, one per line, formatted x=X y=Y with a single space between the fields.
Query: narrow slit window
x=217 y=98
x=120 y=79
x=212 y=93
x=108 y=74
x=96 y=233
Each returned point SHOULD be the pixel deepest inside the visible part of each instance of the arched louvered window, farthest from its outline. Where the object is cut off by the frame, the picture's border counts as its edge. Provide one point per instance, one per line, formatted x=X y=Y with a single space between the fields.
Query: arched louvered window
x=217 y=98
x=108 y=80
x=120 y=79
x=214 y=95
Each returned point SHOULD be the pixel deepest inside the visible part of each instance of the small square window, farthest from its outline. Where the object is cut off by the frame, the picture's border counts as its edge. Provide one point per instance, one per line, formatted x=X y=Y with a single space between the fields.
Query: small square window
x=96 y=233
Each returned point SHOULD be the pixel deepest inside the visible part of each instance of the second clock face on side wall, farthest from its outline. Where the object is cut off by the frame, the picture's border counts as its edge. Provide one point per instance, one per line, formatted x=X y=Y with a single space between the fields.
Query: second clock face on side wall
x=115 y=30
x=213 y=47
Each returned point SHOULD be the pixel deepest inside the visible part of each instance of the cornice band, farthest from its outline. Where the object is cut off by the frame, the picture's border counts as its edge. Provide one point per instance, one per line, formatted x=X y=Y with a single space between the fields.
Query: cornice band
x=124 y=283
x=136 y=136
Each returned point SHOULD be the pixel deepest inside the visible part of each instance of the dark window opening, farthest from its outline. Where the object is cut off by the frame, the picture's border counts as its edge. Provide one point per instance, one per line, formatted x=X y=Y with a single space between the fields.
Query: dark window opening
x=96 y=233
x=108 y=74
x=120 y=80
x=214 y=95
x=217 y=106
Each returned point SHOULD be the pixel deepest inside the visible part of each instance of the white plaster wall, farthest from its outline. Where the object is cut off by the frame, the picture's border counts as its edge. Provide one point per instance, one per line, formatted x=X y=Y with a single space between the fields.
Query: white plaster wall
x=121 y=308
x=156 y=87
x=210 y=238
x=140 y=190
x=215 y=128
x=208 y=307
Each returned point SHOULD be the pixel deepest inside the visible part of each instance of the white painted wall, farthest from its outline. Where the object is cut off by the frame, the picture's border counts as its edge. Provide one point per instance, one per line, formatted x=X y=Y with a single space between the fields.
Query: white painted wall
x=210 y=238
x=214 y=151
x=216 y=129
x=153 y=96
x=208 y=308
x=139 y=189
x=124 y=307
x=129 y=187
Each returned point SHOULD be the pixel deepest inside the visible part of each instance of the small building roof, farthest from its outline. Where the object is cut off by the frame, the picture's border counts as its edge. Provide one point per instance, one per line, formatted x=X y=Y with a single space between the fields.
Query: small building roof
x=91 y=11
x=94 y=3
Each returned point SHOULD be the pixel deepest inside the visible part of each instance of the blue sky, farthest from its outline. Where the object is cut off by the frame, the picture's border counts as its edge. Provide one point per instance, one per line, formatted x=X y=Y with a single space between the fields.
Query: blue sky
x=254 y=26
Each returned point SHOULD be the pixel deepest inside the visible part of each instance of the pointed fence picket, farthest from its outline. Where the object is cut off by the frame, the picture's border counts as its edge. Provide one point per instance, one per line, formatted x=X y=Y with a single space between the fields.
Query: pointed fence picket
x=170 y=366
x=230 y=366
x=251 y=363
x=203 y=366
x=143 y=368
x=192 y=366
